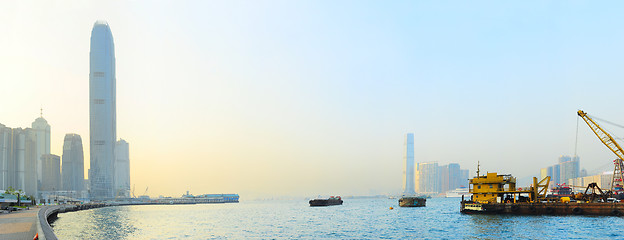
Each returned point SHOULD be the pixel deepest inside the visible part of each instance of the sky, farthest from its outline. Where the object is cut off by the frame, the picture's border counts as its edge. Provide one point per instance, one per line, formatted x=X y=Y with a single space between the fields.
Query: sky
x=303 y=98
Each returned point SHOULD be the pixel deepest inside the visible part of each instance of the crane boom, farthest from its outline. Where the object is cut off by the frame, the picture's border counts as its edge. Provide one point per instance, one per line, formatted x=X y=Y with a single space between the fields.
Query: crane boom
x=617 y=182
x=602 y=135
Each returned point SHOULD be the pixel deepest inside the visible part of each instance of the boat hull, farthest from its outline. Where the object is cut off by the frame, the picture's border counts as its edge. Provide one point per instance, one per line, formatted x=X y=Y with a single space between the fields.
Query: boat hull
x=412 y=202
x=544 y=208
x=325 y=202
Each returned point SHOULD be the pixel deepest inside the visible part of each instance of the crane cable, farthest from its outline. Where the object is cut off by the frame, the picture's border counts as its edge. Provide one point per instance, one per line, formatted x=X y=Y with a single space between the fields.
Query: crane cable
x=576 y=140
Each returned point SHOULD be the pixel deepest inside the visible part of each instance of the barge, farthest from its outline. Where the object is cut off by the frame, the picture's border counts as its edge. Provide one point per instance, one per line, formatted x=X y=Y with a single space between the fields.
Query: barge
x=497 y=194
x=406 y=201
x=325 y=202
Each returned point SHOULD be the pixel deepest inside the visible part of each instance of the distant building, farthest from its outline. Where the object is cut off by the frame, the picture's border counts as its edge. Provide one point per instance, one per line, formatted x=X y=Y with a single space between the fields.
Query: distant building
x=102 y=112
x=51 y=172
x=73 y=163
x=17 y=160
x=465 y=175
x=122 y=168
x=41 y=130
x=603 y=180
x=429 y=179
x=569 y=168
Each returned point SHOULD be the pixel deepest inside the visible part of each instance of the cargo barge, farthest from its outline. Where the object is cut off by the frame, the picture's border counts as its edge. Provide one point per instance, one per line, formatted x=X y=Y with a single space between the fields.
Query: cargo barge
x=325 y=202
x=412 y=201
x=497 y=194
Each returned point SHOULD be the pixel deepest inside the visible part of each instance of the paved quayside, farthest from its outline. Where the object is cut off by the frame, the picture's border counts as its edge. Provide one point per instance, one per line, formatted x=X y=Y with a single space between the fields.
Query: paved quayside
x=19 y=224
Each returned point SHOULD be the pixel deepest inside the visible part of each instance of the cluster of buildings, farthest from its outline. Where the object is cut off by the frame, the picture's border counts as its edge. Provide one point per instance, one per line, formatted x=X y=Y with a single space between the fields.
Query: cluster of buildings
x=566 y=169
x=430 y=177
x=567 y=172
x=27 y=165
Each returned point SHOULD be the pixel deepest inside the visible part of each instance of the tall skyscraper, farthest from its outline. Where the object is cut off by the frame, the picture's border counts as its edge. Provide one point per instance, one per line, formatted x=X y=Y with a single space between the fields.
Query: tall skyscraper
x=122 y=168
x=102 y=111
x=41 y=130
x=73 y=163
x=409 y=164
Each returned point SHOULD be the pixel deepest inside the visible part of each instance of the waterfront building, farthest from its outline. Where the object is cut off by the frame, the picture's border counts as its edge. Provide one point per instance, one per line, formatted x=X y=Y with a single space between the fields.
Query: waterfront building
x=465 y=174
x=73 y=163
x=41 y=131
x=603 y=180
x=428 y=176
x=51 y=172
x=102 y=111
x=122 y=168
x=569 y=168
x=408 y=157
x=17 y=160
x=451 y=177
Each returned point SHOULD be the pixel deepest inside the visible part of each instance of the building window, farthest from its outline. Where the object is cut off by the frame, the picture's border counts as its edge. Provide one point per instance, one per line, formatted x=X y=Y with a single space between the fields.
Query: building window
x=479 y=187
x=98 y=142
x=98 y=101
x=99 y=74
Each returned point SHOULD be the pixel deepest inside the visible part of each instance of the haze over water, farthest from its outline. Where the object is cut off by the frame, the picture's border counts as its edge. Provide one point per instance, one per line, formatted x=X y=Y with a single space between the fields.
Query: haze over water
x=294 y=219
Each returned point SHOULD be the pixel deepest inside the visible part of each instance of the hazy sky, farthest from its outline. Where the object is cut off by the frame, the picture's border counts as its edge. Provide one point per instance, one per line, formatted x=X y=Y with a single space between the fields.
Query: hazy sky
x=301 y=98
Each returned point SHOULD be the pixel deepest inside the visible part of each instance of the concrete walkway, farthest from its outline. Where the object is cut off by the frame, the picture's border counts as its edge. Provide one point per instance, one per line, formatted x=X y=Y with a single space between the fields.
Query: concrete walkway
x=19 y=224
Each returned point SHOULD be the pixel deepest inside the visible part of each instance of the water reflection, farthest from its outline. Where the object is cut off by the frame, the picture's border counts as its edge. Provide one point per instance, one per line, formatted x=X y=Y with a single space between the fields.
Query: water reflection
x=99 y=223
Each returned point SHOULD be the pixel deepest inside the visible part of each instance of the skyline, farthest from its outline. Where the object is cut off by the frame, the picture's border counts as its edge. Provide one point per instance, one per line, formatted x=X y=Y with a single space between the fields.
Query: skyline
x=263 y=92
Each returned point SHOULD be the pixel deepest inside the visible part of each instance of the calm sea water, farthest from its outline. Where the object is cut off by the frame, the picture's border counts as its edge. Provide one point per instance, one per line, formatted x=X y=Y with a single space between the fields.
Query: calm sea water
x=356 y=219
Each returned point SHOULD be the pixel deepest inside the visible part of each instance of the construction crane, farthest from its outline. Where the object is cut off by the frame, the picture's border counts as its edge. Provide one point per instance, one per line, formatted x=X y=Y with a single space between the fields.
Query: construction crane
x=607 y=140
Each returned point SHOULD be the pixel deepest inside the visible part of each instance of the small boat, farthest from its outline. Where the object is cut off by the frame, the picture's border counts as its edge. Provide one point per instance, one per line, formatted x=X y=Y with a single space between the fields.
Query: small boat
x=412 y=201
x=319 y=202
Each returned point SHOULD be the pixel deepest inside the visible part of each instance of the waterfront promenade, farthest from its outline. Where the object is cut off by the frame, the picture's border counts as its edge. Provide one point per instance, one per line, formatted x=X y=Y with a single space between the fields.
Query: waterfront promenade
x=19 y=224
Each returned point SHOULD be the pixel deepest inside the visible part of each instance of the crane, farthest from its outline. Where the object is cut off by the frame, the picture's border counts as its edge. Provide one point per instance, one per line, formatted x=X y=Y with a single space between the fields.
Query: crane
x=607 y=140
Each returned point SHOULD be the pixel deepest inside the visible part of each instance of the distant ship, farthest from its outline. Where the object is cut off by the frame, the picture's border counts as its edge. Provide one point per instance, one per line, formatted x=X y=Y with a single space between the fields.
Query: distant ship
x=458 y=192
x=319 y=202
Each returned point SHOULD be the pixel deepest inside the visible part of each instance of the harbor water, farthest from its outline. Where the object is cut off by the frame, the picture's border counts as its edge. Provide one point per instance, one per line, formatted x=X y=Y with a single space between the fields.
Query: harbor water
x=294 y=219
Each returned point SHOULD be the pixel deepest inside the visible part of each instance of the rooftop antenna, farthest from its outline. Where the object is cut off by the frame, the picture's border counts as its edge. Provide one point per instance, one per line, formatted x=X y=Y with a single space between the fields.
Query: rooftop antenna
x=41 y=111
x=478 y=164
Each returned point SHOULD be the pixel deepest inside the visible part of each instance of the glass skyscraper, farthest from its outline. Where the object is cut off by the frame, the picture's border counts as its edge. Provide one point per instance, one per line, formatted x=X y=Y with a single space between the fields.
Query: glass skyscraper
x=102 y=111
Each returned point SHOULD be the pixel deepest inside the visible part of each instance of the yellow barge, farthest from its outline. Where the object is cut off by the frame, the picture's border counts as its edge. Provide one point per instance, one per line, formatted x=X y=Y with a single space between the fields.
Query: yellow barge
x=497 y=194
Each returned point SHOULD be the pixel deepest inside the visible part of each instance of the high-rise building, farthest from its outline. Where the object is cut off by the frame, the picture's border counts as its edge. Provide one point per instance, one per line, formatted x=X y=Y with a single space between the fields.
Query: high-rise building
x=463 y=181
x=73 y=163
x=428 y=176
x=454 y=176
x=570 y=168
x=51 y=172
x=408 y=156
x=41 y=130
x=17 y=160
x=566 y=169
x=5 y=144
x=122 y=168
x=102 y=111
x=450 y=176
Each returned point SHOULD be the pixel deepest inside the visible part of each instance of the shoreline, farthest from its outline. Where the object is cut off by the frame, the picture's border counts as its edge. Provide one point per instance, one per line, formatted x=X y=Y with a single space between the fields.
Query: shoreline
x=49 y=213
